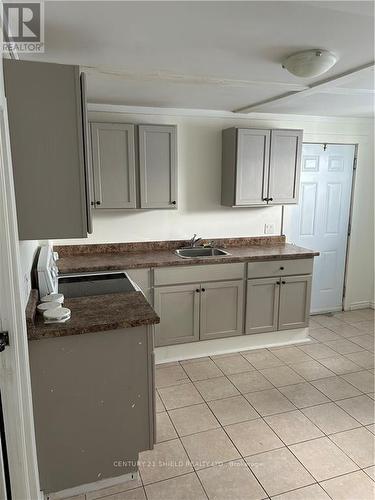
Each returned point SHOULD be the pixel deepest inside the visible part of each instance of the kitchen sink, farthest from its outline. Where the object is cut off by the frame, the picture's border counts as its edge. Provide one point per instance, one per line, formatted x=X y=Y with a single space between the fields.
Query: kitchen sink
x=196 y=252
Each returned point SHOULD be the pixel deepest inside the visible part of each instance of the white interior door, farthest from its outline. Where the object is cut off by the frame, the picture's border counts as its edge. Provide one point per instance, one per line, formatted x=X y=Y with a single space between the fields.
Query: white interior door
x=320 y=221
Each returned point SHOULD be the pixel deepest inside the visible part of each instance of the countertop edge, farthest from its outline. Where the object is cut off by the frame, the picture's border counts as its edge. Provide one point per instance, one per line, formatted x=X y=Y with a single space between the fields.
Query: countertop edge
x=225 y=259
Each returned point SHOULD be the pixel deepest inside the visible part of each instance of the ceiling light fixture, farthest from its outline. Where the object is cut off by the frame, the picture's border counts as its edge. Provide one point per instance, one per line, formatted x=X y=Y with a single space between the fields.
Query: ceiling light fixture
x=310 y=63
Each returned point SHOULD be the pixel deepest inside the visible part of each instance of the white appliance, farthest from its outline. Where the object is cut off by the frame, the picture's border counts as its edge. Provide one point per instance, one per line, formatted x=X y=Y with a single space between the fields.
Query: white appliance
x=47 y=271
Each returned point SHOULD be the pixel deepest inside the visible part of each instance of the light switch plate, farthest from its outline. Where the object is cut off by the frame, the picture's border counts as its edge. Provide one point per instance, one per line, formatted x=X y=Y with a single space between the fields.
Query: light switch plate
x=269 y=228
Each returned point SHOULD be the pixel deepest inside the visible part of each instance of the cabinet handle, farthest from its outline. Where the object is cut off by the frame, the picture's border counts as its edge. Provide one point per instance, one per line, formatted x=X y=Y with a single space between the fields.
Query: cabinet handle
x=92 y=203
x=282 y=268
x=203 y=289
x=270 y=199
x=98 y=202
x=173 y=203
x=197 y=290
x=265 y=199
x=277 y=282
x=283 y=282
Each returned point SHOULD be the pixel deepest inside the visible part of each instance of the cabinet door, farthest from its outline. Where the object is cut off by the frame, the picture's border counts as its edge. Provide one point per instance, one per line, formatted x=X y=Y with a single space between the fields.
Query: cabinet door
x=45 y=125
x=285 y=166
x=158 y=166
x=294 y=308
x=114 y=165
x=262 y=305
x=221 y=313
x=178 y=309
x=252 y=166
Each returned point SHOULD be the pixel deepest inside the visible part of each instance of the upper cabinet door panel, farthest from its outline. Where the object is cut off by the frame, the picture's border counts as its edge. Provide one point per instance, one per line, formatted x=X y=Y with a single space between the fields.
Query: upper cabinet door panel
x=113 y=165
x=158 y=166
x=285 y=166
x=252 y=166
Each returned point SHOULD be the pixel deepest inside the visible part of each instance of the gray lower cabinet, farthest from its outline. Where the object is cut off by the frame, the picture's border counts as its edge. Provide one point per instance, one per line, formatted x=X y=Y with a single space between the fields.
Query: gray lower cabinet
x=199 y=311
x=262 y=305
x=134 y=166
x=221 y=309
x=294 y=309
x=178 y=309
x=48 y=138
x=260 y=167
x=157 y=166
x=93 y=399
x=113 y=160
x=278 y=303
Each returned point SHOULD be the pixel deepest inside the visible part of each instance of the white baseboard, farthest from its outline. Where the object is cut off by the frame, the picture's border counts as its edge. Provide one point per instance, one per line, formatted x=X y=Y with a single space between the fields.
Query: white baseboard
x=364 y=304
x=228 y=345
x=97 y=485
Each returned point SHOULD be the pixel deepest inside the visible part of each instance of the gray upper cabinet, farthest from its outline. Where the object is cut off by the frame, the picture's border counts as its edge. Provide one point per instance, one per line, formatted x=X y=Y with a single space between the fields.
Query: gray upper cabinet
x=158 y=166
x=245 y=161
x=113 y=158
x=260 y=167
x=284 y=172
x=46 y=112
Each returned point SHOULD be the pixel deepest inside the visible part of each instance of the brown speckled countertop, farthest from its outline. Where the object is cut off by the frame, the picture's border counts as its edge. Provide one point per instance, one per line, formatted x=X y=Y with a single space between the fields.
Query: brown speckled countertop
x=97 y=313
x=91 y=258
x=124 y=310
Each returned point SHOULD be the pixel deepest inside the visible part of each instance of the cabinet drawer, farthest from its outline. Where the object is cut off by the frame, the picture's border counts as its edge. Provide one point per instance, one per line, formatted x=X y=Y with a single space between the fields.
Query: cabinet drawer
x=279 y=268
x=197 y=274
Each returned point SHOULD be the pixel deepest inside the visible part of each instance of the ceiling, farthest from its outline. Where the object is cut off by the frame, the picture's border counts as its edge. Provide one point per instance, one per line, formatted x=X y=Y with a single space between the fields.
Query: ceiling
x=215 y=55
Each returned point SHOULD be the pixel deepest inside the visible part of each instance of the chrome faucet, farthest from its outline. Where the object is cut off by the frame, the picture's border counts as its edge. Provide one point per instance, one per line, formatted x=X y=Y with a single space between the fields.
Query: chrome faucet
x=194 y=241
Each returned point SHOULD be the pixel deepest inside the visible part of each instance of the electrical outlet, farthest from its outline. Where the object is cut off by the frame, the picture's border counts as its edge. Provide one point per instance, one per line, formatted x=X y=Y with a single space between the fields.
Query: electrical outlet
x=269 y=228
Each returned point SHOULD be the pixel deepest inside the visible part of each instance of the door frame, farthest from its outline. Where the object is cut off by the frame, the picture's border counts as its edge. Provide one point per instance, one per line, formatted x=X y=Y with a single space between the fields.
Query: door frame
x=15 y=383
x=350 y=219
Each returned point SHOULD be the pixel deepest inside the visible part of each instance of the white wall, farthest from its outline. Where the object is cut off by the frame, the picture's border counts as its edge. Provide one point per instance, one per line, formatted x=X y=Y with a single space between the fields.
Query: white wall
x=199 y=185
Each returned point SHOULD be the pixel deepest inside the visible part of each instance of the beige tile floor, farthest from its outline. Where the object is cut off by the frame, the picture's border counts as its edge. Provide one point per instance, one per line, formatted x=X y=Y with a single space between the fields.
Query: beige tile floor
x=289 y=423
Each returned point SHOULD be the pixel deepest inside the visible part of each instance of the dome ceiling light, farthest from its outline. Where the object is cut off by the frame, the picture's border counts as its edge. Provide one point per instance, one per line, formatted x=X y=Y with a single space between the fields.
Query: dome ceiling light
x=310 y=63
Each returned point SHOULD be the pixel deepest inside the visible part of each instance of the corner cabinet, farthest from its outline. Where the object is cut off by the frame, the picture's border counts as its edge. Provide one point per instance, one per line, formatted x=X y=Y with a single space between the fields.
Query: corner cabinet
x=134 y=166
x=48 y=138
x=260 y=167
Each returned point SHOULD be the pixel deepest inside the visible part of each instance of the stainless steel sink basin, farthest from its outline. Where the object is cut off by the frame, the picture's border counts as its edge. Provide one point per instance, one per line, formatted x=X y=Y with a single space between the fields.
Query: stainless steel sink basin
x=196 y=252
